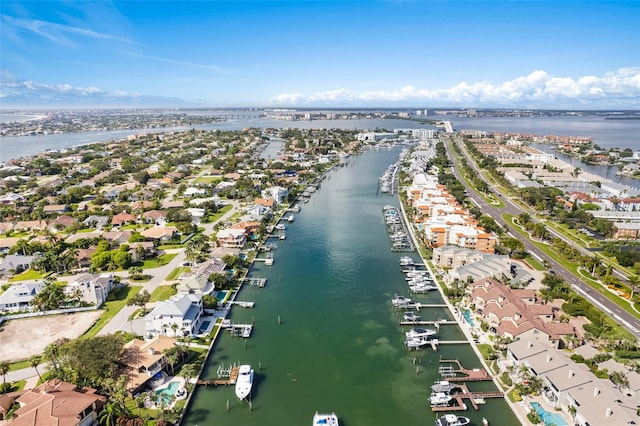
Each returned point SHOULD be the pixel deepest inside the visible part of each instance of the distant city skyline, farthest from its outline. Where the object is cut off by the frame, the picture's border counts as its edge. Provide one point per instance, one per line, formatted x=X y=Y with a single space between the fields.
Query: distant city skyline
x=495 y=54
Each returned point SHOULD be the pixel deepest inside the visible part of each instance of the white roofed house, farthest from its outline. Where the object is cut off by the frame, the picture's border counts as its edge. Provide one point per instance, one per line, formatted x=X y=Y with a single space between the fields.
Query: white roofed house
x=92 y=289
x=19 y=295
x=15 y=264
x=180 y=315
x=277 y=193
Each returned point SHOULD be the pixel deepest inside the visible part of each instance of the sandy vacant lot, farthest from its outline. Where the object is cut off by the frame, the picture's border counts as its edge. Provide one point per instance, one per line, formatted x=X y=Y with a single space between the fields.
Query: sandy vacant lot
x=20 y=339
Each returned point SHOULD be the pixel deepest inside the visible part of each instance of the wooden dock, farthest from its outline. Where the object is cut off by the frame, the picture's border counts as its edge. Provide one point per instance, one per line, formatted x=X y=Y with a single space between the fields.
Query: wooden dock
x=427 y=322
x=475 y=375
x=459 y=398
x=224 y=379
x=260 y=282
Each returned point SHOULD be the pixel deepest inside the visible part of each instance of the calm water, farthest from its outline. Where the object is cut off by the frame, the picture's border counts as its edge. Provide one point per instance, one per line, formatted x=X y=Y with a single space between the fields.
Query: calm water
x=339 y=346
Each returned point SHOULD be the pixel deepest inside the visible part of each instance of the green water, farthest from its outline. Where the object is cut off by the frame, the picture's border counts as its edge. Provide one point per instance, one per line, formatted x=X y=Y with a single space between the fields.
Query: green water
x=338 y=345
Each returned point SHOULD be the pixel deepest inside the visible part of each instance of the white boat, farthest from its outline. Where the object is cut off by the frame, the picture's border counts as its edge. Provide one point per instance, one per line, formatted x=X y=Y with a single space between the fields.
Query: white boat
x=410 y=317
x=452 y=420
x=405 y=261
x=244 y=381
x=419 y=332
x=325 y=419
x=291 y=218
x=440 y=399
x=422 y=288
x=444 y=386
x=280 y=227
x=416 y=342
x=399 y=301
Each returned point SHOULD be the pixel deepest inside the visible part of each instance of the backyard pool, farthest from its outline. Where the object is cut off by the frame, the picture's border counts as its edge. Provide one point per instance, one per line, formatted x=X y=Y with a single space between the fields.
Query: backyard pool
x=466 y=313
x=169 y=390
x=549 y=419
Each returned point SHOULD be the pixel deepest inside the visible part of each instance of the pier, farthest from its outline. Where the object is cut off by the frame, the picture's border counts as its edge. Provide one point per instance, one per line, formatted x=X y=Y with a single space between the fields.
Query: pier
x=419 y=322
x=475 y=375
x=474 y=398
x=260 y=282
x=226 y=376
x=243 y=304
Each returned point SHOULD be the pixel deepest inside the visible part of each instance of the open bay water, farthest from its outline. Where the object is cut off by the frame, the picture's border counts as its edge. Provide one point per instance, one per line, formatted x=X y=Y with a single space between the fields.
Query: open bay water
x=325 y=336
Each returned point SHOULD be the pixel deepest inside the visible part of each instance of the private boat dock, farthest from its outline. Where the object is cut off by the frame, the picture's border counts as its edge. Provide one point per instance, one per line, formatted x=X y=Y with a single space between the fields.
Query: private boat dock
x=243 y=304
x=417 y=306
x=240 y=330
x=474 y=398
x=226 y=376
x=260 y=282
x=450 y=374
x=419 y=322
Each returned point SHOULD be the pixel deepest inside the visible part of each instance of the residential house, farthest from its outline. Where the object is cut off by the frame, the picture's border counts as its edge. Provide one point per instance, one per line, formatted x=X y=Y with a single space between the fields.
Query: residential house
x=277 y=193
x=62 y=222
x=144 y=359
x=117 y=237
x=92 y=289
x=7 y=243
x=180 y=315
x=96 y=221
x=83 y=256
x=159 y=233
x=195 y=283
x=572 y=387
x=142 y=250
x=516 y=313
x=58 y=403
x=54 y=208
x=123 y=218
x=231 y=237
x=15 y=264
x=30 y=225
x=19 y=295
x=155 y=217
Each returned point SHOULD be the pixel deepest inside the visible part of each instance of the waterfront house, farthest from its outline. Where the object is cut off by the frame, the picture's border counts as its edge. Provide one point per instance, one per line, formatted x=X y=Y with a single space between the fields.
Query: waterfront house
x=144 y=359
x=572 y=387
x=195 y=283
x=19 y=295
x=180 y=315
x=59 y=403
x=277 y=193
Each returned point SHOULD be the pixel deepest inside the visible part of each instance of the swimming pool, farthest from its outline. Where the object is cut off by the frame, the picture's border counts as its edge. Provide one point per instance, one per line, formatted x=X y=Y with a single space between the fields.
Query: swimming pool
x=467 y=316
x=169 y=390
x=549 y=419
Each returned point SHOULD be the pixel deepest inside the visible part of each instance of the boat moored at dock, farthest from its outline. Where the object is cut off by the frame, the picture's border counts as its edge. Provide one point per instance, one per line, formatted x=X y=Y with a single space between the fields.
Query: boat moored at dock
x=419 y=333
x=439 y=399
x=244 y=381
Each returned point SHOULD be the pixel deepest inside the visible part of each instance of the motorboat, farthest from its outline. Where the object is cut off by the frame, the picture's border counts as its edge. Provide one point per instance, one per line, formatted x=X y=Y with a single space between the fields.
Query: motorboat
x=416 y=342
x=452 y=420
x=244 y=381
x=440 y=399
x=419 y=332
x=399 y=301
x=280 y=227
x=325 y=419
x=422 y=288
x=444 y=386
x=291 y=218
x=406 y=261
x=410 y=317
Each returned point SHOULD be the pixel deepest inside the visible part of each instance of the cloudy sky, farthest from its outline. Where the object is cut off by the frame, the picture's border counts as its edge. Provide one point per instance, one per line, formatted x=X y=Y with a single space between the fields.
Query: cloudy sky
x=543 y=54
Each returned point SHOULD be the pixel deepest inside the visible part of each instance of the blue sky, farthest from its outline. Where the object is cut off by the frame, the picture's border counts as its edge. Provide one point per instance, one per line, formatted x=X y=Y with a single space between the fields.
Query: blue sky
x=544 y=54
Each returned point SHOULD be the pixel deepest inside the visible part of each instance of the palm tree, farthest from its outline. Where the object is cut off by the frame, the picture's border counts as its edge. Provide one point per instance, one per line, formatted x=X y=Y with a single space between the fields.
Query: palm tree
x=4 y=369
x=110 y=414
x=34 y=362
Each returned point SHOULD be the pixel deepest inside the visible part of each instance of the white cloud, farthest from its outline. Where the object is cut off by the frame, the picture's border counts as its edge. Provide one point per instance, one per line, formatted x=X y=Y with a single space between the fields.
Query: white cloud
x=619 y=88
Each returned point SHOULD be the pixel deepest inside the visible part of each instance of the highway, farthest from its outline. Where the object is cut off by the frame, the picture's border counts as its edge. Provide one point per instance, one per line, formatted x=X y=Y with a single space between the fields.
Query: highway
x=627 y=320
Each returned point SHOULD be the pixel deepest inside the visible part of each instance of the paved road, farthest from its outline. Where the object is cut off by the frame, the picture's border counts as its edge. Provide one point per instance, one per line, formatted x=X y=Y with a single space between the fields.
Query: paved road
x=627 y=320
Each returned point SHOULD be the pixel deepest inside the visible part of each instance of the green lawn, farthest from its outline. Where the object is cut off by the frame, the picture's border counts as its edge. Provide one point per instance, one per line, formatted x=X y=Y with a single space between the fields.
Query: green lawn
x=29 y=274
x=156 y=262
x=117 y=300
x=220 y=212
x=208 y=179
x=19 y=365
x=176 y=272
x=162 y=292
x=535 y=264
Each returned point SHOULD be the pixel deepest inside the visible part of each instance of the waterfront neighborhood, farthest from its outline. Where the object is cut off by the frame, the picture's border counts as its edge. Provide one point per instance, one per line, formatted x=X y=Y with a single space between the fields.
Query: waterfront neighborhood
x=123 y=261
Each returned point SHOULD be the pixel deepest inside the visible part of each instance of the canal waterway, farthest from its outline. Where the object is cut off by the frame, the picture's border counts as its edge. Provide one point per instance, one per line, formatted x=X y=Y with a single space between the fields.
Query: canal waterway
x=325 y=336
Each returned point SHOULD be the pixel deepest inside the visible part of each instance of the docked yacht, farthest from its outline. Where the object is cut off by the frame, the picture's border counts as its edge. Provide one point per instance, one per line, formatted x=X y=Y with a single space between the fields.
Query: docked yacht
x=400 y=301
x=291 y=218
x=444 y=386
x=406 y=261
x=410 y=317
x=280 y=227
x=452 y=420
x=422 y=288
x=416 y=342
x=419 y=332
x=440 y=399
x=244 y=381
x=325 y=419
